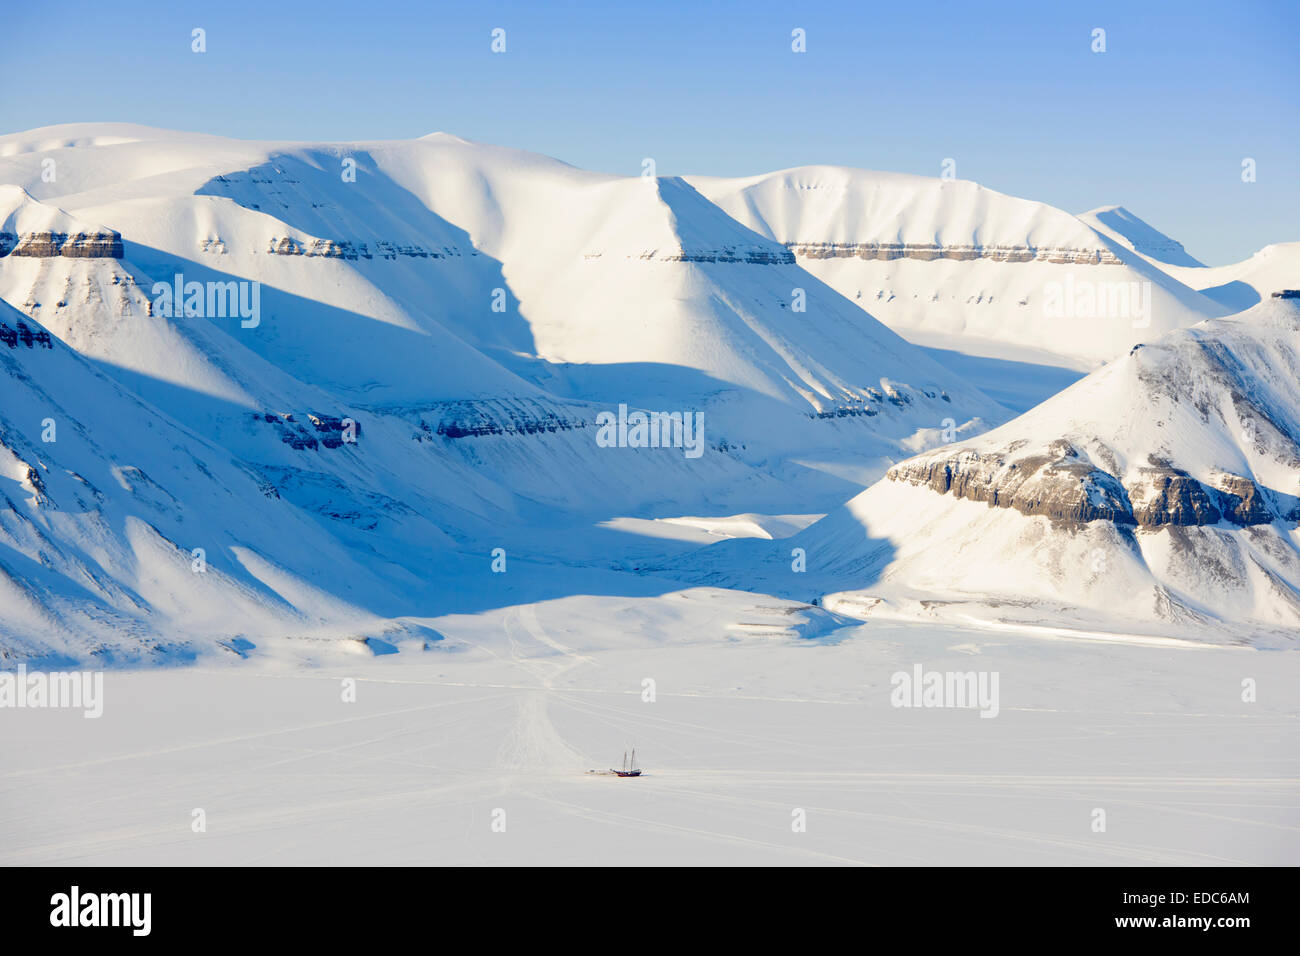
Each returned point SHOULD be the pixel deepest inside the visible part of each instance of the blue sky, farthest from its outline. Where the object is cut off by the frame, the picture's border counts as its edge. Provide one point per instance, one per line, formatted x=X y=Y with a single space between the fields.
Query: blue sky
x=1011 y=91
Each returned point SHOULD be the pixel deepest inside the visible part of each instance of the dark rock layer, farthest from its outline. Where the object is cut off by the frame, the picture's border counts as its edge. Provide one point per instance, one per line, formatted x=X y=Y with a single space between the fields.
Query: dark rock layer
x=78 y=245
x=932 y=251
x=1064 y=486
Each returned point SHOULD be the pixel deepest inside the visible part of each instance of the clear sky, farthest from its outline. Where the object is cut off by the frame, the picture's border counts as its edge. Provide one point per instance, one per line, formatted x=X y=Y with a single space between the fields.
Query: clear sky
x=1010 y=90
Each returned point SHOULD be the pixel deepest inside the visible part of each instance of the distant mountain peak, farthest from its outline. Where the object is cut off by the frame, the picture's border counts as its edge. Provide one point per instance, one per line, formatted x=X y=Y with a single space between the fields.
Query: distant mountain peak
x=1119 y=224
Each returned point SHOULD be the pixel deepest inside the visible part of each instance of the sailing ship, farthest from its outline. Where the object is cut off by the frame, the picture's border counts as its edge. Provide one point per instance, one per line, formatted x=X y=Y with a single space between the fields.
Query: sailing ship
x=629 y=766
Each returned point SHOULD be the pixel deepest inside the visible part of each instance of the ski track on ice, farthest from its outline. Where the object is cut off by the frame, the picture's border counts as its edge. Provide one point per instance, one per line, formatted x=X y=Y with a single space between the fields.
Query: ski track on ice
x=239 y=738
x=533 y=744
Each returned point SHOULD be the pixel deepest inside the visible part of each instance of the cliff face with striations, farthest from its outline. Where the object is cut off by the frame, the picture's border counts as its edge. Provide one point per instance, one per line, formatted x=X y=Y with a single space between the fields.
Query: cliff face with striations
x=102 y=244
x=950 y=259
x=346 y=249
x=1055 y=483
x=760 y=257
x=1198 y=428
x=33 y=229
x=929 y=251
x=1061 y=484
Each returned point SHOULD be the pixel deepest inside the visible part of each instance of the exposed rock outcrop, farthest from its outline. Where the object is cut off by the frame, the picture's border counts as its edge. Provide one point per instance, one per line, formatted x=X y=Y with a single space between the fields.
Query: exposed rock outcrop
x=1195 y=429
x=1167 y=496
x=328 y=430
x=1243 y=502
x=105 y=244
x=1064 y=485
x=24 y=335
x=1057 y=484
x=961 y=253
x=345 y=249
x=469 y=419
x=762 y=257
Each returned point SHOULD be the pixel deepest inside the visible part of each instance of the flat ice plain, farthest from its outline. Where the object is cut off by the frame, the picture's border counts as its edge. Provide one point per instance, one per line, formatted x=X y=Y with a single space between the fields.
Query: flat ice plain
x=514 y=706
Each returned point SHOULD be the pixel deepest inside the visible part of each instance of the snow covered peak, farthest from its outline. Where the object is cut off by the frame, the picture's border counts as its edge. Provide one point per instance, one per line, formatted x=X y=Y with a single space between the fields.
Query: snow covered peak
x=21 y=213
x=1119 y=224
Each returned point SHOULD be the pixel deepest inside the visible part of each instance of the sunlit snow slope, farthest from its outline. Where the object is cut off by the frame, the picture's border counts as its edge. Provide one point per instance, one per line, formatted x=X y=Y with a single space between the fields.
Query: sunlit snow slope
x=949 y=261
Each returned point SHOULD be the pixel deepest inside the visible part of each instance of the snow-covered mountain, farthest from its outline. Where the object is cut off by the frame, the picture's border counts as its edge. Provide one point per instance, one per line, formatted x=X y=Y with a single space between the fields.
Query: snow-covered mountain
x=264 y=390
x=1120 y=225
x=1239 y=285
x=434 y=236
x=1158 y=495
x=950 y=262
x=1235 y=287
x=396 y=360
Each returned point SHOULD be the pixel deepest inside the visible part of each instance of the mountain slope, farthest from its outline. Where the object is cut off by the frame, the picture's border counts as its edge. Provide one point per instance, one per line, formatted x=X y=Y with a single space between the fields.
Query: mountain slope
x=1236 y=286
x=1158 y=496
x=1242 y=284
x=950 y=263
x=1120 y=225
x=1160 y=491
x=103 y=501
x=411 y=363
x=589 y=269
